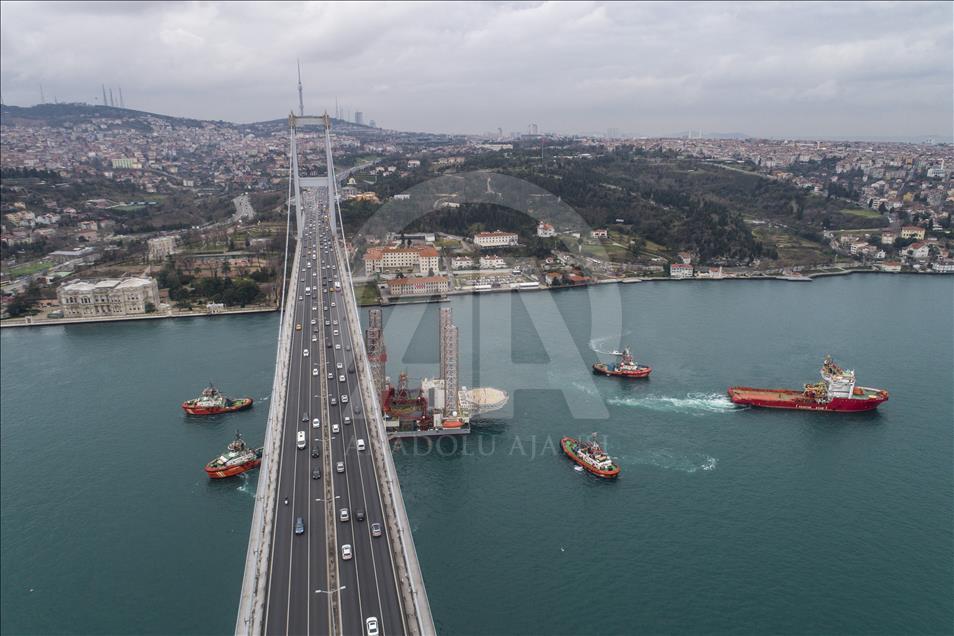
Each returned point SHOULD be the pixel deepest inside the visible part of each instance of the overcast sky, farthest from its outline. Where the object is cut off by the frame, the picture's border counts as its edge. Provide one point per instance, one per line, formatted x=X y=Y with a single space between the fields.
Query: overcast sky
x=791 y=69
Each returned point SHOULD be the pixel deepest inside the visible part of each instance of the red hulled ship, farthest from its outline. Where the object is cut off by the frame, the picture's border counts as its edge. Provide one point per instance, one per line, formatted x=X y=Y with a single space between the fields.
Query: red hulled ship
x=236 y=459
x=211 y=402
x=589 y=455
x=626 y=367
x=836 y=392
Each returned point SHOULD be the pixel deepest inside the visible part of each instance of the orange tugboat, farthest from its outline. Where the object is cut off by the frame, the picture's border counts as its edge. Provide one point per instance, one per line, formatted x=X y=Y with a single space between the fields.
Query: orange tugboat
x=211 y=402
x=625 y=368
x=836 y=392
x=236 y=459
x=590 y=456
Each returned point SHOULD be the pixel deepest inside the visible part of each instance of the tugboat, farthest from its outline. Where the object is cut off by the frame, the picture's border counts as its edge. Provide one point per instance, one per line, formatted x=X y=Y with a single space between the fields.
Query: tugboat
x=626 y=367
x=237 y=459
x=836 y=392
x=211 y=402
x=589 y=455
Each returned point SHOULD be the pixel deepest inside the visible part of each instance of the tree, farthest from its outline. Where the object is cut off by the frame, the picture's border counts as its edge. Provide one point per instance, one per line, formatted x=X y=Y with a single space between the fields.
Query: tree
x=150 y=308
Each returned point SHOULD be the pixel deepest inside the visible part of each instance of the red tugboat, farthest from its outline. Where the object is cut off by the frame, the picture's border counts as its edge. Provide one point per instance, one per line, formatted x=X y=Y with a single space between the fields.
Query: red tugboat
x=836 y=392
x=625 y=368
x=590 y=456
x=237 y=459
x=211 y=402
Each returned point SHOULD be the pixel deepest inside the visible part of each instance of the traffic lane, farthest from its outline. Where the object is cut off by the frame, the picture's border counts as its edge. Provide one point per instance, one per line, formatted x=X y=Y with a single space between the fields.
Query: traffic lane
x=283 y=521
x=298 y=598
x=391 y=617
x=351 y=597
x=376 y=564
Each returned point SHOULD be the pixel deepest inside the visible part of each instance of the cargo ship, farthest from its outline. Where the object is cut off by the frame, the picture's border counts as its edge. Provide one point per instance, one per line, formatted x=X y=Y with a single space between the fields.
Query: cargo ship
x=836 y=392
x=211 y=402
x=626 y=367
x=236 y=459
x=589 y=455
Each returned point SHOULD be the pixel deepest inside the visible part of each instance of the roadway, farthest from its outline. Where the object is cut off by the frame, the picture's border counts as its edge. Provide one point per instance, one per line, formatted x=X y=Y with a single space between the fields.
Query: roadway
x=304 y=568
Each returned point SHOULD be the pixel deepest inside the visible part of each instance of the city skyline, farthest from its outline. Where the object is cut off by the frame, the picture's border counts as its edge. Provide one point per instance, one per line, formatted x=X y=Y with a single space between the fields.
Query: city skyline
x=809 y=71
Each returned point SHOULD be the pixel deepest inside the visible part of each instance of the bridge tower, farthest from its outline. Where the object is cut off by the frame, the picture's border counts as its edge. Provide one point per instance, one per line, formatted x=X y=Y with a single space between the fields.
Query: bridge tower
x=449 y=360
x=377 y=352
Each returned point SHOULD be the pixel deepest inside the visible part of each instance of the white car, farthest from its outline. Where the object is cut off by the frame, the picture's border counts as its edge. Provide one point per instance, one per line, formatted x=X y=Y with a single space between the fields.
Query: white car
x=339 y=466
x=337 y=346
x=334 y=322
x=346 y=552
x=335 y=333
x=333 y=305
x=343 y=515
x=341 y=378
x=335 y=428
x=347 y=419
x=338 y=365
x=344 y=399
x=314 y=322
x=305 y=353
x=314 y=338
x=372 y=625
x=314 y=371
x=315 y=423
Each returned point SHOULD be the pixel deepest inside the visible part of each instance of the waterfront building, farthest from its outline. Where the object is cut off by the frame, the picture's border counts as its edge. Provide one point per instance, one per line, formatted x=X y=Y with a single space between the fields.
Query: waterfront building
x=462 y=262
x=545 y=230
x=384 y=259
x=680 y=270
x=492 y=262
x=108 y=297
x=427 y=285
x=496 y=239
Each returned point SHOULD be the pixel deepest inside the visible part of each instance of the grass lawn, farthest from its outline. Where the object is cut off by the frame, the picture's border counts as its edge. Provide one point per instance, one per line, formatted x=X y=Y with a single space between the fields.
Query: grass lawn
x=368 y=294
x=29 y=268
x=863 y=212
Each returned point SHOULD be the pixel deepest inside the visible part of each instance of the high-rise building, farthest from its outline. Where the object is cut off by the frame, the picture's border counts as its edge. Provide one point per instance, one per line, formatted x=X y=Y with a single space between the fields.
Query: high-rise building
x=359 y=118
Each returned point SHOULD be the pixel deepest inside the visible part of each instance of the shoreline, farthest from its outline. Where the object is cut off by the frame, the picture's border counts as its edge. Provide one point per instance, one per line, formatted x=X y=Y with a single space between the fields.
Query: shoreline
x=52 y=322
x=633 y=280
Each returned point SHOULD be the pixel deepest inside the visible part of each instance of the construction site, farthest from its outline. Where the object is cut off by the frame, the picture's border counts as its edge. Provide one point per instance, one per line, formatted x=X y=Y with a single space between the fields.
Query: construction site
x=437 y=406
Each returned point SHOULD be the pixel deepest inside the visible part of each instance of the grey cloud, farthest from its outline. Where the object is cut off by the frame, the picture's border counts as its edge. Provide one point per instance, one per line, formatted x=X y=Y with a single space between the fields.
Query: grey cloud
x=778 y=69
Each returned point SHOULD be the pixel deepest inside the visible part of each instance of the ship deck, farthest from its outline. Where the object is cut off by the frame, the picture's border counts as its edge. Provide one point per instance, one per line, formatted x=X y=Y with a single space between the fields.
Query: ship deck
x=749 y=393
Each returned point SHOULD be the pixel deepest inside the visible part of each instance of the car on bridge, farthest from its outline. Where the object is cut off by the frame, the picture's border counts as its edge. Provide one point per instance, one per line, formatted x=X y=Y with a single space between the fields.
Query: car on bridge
x=305 y=353
x=376 y=529
x=314 y=371
x=371 y=625
x=343 y=515
x=316 y=473
x=346 y=552
x=339 y=467
x=344 y=399
x=299 y=526
x=315 y=423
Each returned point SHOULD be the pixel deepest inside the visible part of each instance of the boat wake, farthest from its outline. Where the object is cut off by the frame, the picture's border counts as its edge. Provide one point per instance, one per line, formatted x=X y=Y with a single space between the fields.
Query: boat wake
x=693 y=403
x=670 y=460
x=601 y=345
x=264 y=399
x=245 y=487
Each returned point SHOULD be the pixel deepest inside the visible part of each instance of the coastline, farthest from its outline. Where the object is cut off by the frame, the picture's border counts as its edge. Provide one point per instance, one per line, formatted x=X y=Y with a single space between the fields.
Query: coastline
x=632 y=280
x=52 y=322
